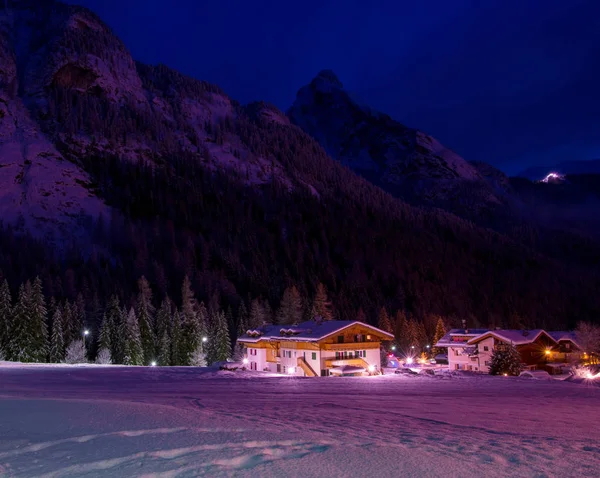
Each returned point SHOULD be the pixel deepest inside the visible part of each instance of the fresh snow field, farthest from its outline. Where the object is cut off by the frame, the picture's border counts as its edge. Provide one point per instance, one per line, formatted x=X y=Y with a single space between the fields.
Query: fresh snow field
x=86 y=421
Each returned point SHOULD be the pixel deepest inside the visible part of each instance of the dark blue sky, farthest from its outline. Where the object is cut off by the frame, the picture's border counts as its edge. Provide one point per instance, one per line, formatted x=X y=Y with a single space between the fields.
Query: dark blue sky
x=510 y=82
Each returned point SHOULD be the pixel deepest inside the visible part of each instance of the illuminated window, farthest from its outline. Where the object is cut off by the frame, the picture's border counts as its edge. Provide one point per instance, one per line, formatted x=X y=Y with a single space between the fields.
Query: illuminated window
x=314 y=355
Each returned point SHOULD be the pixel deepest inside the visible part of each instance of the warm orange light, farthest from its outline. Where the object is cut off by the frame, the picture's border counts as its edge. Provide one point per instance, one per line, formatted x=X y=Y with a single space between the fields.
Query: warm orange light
x=547 y=351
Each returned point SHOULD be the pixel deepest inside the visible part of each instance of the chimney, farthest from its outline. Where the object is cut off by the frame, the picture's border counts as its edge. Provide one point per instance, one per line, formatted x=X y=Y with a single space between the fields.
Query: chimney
x=464 y=324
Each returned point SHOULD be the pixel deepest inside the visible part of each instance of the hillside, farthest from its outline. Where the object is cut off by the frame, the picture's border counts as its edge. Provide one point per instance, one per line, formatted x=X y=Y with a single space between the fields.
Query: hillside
x=176 y=178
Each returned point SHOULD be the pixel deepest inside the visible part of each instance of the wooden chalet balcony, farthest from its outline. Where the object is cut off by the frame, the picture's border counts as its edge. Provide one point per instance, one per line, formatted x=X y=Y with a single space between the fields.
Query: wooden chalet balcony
x=351 y=346
x=357 y=362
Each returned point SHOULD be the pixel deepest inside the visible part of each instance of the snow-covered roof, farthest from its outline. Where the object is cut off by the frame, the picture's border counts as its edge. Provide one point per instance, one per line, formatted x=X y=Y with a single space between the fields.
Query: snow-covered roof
x=453 y=337
x=516 y=337
x=310 y=331
x=561 y=335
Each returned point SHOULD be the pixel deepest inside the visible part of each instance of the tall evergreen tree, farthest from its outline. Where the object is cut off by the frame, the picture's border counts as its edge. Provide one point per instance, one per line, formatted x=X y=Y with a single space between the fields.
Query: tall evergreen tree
x=361 y=316
x=145 y=316
x=203 y=320
x=111 y=335
x=190 y=333
x=401 y=331
x=412 y=335
x=57 y=343
x=257 y=315
x=163 y=326
x=321 y=305
x=219 y=346
x=6 y=322
x=242 y=319
x=69 y=325
x=290 y=309
x=178 y=353
x=133 y=353
x=38 y=323
x=440 y=331
x=384 y=322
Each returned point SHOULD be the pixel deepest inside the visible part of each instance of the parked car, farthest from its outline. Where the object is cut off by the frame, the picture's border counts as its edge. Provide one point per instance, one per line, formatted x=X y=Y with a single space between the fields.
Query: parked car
x=536 y=374
x=441 y=359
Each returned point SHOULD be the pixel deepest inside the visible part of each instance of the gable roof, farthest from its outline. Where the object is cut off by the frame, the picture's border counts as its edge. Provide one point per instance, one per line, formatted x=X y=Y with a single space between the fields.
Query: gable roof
x=516 y=337
x=561 y=335
x=310 y=331
x=448 y=340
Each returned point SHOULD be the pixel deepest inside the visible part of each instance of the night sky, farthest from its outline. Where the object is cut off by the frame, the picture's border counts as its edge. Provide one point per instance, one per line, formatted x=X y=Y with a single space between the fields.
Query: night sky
x=510 y=82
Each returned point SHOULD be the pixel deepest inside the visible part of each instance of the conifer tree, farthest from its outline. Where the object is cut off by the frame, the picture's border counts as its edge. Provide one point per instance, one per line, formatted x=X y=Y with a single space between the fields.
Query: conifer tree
x=321 y=305
x=219 y=346
x=133 y=353
x=440 y=331
x=163 y=326
x=421 y=335
x=384 y=322
x=290 y=309
x=257 y=315
x=190 y=333
x=242 y=321
x=401 y=331
x=78 y=317
x=178 y=356
x=505 y=360
x=38 y=323
x=145 y=316
x=17 y=348
x=57 y=343
x=6 y=322
x=203 y=320
x=361 y=316
x=68 y=326
x=111 y=335
x=412 y=335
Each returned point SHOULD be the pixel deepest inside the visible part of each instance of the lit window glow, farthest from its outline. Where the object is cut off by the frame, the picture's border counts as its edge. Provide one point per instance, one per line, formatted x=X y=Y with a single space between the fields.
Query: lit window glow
x=291 y=370
x=371 y=368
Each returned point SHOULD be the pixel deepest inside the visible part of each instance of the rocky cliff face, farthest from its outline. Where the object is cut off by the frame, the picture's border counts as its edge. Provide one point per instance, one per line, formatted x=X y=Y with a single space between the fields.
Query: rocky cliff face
x=406 y=162
x=39 y=189
x=70 y=91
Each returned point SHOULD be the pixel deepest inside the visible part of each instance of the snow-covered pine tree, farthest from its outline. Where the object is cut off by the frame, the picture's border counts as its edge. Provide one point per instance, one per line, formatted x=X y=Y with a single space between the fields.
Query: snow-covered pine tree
x=505 y=360
x=68 y=322
x=6 y=321
x=76 y=352
x=440 y=331
x=133 y=353
x=257 y=316
x=384 y=322
x=422 y=339
x=321 y=306
x=190 y=335
x=103 y=357
x=163 y=325
x=401 y=330
x=111 y=335
x=203 y=318
x=19 y=348
x=38 y=322
x=145 y=314
x=412 y=334
x=178 y=355
x=57 y=342
x=290 y=309
x=242 y=319
x=79 y=316
x=219 y=346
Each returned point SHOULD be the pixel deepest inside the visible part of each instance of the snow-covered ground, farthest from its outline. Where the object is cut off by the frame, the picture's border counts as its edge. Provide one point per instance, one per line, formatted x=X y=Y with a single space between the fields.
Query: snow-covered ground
x=167 y=422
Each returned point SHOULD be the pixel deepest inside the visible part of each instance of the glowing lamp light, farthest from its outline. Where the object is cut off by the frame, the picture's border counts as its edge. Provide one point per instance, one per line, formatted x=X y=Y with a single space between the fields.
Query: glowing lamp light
x=393 y=347
x=291 y=370
x=86 y=332
x=409 y=360
x=427 y=346
x=245 y=361
x=371 y=368
x=204 y=339
x=153 y=364
x=547 y=351
x=506 y=375
x=412 y=346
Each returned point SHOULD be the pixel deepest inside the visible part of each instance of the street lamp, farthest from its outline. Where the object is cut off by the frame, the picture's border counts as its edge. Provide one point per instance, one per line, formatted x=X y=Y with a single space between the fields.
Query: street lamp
x=153 y=364
x=393 y=347
x=245 y=361
x=204 y=339
x=86 y=332
x=427 y=346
